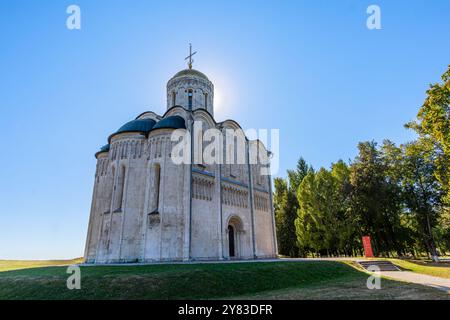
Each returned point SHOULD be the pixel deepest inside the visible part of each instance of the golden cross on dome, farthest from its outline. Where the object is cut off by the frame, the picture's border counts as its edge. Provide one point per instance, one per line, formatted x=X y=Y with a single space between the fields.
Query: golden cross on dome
x=190 y=56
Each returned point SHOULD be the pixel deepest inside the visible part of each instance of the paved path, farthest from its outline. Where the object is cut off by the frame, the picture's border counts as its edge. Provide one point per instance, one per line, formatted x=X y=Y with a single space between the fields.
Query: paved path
x=423 y=279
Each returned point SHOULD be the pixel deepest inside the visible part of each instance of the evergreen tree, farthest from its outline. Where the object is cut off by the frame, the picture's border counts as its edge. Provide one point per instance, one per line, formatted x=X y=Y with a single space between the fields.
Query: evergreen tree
x=323 y=225
x=375 y=200
x=285 y=208
x=286 y=205
x=296 y=176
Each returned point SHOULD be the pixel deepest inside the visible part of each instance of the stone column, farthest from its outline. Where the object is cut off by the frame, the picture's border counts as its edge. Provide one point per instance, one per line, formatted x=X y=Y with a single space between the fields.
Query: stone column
x=218 y=191
x=250 y=192
x=272 y=212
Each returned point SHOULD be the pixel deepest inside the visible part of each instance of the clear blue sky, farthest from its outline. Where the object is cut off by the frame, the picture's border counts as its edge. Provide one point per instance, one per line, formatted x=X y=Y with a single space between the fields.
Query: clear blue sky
x=310 y=68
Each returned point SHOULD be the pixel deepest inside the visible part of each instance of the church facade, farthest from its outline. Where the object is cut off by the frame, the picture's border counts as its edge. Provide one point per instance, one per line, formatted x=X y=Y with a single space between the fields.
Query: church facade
x=147 y=208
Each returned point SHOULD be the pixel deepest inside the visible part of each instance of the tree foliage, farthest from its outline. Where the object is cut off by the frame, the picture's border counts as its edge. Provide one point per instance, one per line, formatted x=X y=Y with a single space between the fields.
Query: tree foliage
x=285 y=208
x=398 y=195
x=323 y=225
x=286 y=205
x=433 y=128
x=375 y=201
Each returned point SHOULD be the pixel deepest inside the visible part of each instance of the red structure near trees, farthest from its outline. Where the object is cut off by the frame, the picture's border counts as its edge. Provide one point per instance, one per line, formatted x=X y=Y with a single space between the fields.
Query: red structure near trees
x=367 y=247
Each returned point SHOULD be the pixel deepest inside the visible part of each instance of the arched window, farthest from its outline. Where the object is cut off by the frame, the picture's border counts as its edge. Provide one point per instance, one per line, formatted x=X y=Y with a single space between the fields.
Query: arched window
x=156 y=186
x=173 y=98
x=111 y=185
x=120 y=189
x=231 y=159
x=206 y=100
x=198 y=148
x=190 y=97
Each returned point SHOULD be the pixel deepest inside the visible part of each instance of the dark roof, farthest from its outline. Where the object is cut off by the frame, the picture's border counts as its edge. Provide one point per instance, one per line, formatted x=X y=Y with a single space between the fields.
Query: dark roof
x=146 y=125
x=173 y=122
x=105 y=148
x=139 y=125
x=190 y=72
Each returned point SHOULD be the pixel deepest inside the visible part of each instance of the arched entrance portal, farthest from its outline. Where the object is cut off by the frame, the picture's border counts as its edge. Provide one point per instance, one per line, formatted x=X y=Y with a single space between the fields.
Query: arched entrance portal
x=234 y=233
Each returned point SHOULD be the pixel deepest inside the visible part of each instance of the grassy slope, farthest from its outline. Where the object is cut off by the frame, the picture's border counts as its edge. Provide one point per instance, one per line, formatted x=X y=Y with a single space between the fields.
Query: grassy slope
x=286 y=280
x=7 y=265
x=441 y=270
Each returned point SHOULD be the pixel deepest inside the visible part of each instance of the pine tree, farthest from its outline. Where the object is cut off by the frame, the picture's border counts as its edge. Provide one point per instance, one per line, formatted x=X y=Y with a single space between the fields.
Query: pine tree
x=285 y=208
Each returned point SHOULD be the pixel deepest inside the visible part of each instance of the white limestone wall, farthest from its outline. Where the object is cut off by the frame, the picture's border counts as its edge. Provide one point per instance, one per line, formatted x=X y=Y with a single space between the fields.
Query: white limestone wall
x=119 y=235
x=263 y=212
x=98 y=207
x=206 y=237
x=102 y=211
x=131 y=236
x=165 y=232
x=113 y=251
x=264 y=233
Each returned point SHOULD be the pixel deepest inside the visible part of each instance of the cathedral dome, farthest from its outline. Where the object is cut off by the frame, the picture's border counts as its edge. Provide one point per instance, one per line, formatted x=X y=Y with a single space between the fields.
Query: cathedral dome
x=190 y=72
x=139 y=125
x=103 y=149
x=173 y=122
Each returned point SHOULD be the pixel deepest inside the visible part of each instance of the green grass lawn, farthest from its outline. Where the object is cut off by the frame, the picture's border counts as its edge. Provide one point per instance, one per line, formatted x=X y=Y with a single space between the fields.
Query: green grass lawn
x=439 y=270
x=262 y=280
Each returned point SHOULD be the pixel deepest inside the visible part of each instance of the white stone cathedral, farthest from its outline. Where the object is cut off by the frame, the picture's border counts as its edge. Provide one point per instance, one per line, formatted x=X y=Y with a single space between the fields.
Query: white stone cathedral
x=146 y=208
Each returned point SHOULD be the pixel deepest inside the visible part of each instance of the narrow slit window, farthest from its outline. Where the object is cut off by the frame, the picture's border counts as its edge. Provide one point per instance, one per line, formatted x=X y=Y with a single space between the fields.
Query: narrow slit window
x=156 y=186
x=190 y=96
x=120 y=189
x=113 y=175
